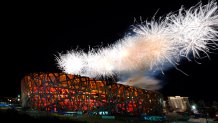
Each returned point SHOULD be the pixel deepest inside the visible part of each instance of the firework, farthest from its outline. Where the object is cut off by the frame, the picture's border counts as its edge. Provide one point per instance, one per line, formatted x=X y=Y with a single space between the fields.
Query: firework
x=153 y=46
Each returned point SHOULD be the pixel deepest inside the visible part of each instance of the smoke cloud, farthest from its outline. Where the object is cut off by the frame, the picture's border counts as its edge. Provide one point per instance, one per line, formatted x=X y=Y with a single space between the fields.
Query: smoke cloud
x=153 y=46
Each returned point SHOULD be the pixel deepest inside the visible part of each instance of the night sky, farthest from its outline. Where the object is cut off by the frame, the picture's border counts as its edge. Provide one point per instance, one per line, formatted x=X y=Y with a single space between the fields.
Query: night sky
x=32 y=36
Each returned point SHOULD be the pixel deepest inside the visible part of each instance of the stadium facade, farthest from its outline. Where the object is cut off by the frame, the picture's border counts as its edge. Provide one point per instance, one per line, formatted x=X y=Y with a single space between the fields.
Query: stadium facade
x=60 y=92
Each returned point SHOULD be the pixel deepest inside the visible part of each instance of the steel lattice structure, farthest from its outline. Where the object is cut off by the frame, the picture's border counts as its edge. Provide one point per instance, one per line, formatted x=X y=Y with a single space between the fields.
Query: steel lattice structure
x=60 y=92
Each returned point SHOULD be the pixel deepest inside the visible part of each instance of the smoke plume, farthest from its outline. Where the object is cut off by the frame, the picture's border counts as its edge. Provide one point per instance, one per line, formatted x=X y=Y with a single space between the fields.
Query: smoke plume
x=153 y=46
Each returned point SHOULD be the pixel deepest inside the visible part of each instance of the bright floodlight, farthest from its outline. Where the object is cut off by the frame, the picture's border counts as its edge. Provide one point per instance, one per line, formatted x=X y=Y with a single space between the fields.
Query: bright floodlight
x=193 y=107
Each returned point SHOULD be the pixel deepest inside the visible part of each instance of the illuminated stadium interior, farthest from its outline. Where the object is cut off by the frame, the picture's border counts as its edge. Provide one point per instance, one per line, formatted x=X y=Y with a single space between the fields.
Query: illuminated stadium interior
x=60 y=92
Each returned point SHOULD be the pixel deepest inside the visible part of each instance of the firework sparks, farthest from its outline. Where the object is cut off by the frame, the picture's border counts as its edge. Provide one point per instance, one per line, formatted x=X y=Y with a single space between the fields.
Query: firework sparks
x=153 y=45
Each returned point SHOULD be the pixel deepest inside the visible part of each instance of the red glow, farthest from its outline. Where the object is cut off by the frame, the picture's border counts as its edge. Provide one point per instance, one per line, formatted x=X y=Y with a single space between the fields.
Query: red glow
x=79 y=93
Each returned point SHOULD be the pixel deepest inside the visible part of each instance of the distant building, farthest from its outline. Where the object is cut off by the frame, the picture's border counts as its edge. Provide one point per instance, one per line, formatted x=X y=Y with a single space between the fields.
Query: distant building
x=178 y=104
x=59 y=92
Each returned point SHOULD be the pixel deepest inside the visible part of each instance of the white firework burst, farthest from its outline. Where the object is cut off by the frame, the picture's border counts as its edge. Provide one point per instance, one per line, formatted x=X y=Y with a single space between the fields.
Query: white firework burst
x=194 y=30
x=154 y=44
x=72 y=63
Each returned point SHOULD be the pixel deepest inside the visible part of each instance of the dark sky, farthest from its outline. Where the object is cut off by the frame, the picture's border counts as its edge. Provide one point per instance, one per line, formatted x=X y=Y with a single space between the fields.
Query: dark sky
x=32 y=35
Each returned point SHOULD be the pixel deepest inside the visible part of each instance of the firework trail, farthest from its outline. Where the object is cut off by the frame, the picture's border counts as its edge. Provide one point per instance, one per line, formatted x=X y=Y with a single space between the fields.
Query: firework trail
x=153 y=46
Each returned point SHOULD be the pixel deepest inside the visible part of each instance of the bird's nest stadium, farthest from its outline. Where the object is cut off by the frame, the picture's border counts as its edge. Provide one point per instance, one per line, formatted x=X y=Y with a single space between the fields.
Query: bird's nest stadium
x=60 y=92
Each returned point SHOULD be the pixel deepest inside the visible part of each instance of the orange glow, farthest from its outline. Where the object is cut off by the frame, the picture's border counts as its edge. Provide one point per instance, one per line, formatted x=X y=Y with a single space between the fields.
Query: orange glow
x=59 y=91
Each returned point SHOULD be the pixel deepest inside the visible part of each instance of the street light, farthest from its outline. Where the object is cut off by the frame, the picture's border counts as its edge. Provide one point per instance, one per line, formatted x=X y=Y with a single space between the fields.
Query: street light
x=193 y=107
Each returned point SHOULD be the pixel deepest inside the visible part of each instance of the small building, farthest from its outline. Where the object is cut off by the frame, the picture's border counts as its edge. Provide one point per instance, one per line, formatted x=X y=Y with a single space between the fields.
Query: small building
x=178 y=104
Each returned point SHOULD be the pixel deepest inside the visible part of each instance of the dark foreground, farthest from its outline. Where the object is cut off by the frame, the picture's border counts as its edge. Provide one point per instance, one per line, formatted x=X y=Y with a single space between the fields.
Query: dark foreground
x=10 y=115
x=13 y=115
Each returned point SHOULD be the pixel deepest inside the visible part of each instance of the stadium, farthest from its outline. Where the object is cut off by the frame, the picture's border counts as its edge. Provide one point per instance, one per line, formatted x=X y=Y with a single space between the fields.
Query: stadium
x=60 y=92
